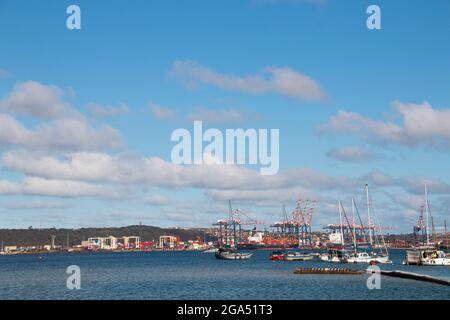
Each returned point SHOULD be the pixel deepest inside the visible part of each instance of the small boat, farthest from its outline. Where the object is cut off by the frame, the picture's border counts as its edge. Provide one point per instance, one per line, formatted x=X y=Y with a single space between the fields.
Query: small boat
x=335 y=255
x=364 y=257
x=435 y=258
x=227 y=254
x=210 y=250
x=298 y=256
x=429 y=254
x=277 y=256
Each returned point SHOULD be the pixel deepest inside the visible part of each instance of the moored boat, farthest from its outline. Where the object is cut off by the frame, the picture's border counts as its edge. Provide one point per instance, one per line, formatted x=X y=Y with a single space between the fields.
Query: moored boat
x=290 y=256
x=335 y=255
x=364 y=257
x=298 y=256
x=277 y=256
x=435 y=258
x=226 y=254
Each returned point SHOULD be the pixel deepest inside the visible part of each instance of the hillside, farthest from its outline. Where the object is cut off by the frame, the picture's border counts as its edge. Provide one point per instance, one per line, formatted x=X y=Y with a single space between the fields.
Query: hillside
x=39 y=237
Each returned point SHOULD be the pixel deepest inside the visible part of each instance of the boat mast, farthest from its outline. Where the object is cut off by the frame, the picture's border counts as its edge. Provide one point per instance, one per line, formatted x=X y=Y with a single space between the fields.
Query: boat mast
x=353 y=221
x=446 y=234
x=369 y=215
x=285 y=218
x=340 y=221
x=427 y=215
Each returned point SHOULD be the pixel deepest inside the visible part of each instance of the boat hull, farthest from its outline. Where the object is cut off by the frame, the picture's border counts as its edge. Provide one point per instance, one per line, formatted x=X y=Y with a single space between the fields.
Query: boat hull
x=381 y=260
x=233 y=255
x=436 y=262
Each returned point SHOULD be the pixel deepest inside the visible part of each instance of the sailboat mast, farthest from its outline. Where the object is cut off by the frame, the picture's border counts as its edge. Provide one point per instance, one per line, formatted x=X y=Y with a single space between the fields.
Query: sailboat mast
x=369 y=215
x=353 y=221
x=427 y=215
x=446 y=234
x=340 y=222
x=285 y=218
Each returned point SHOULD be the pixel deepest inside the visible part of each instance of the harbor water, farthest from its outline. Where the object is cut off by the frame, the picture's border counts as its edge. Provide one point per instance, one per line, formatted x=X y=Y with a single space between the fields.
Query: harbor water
x=196 y=275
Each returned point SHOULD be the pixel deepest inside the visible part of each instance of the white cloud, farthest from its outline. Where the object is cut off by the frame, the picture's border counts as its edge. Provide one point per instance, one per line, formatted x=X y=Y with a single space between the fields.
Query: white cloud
x=36 y=205
x=59 y=134
x=421 y=124
x=32 y=98
x=58 y=188
x=350 y=154
x=284 y=81
x=107 y=111
x=101 y=167
x=162 y=113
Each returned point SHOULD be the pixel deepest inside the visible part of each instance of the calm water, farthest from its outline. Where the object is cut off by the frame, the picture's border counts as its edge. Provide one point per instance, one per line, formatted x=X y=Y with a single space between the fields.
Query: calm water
x=194 y=275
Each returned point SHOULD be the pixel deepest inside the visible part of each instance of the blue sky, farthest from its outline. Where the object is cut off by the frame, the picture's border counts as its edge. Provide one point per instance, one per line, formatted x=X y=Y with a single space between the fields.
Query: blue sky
x=388 y=92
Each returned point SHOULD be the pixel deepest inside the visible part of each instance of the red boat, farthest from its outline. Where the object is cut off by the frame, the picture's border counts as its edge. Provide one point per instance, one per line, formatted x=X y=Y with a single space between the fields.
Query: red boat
x=277 y=256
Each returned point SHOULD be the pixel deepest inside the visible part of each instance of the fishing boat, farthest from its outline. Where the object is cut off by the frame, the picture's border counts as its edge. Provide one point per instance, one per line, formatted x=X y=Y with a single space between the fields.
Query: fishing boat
x=228 y=254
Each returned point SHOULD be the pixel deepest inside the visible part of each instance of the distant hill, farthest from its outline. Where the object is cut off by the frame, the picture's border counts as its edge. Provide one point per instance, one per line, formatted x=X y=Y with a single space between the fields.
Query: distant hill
x=39 y=237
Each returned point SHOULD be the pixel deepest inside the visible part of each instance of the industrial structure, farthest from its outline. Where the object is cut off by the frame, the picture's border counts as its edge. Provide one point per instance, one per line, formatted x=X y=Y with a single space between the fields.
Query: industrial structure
x=230 y=230
x=295 y=229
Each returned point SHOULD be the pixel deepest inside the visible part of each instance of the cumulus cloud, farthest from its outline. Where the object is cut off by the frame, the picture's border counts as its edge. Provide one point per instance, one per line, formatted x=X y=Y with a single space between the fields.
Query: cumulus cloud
x=421 y=124
x=107 y=111
x=156 y=172
x=57 y=188
x=35 y=99
x=350 y=154
x=65 y=134
x=284 y=81
x=101 y=167
x=161 y=112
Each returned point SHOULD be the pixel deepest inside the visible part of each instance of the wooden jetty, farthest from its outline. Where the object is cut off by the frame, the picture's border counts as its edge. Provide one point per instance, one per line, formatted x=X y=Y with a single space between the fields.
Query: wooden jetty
x=328 y=271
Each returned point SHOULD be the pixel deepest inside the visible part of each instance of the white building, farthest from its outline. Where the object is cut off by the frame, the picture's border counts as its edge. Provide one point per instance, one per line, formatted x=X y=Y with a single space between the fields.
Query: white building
x=113 y=243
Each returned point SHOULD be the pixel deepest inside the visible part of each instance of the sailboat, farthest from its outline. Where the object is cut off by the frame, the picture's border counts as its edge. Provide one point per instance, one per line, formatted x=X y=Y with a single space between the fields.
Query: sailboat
x=337 y=253
x=364 y=256
x=428 y=255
